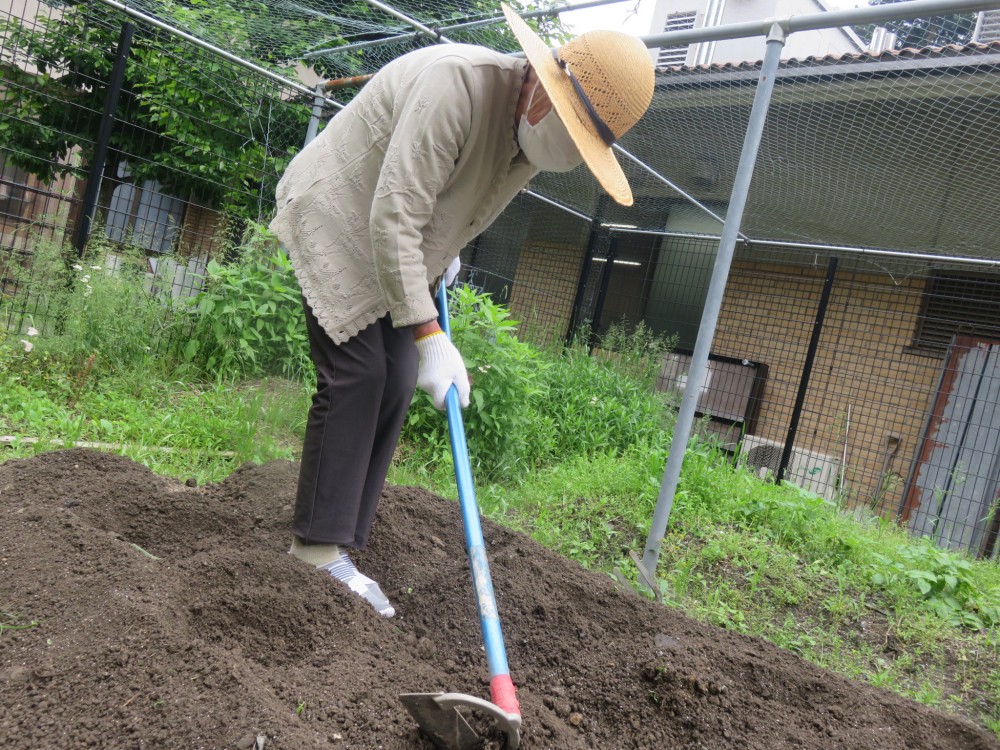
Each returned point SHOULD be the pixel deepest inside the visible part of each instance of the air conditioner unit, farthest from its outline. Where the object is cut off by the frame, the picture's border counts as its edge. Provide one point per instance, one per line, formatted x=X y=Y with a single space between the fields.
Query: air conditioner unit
x=816 y=472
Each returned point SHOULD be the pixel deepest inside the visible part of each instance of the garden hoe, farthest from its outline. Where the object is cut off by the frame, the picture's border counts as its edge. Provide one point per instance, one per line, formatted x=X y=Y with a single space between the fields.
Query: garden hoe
x=437 y=713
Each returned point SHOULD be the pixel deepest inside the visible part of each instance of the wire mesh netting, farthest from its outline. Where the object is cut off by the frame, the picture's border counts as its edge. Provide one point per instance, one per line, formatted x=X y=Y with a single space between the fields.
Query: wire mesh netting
x=886 y=160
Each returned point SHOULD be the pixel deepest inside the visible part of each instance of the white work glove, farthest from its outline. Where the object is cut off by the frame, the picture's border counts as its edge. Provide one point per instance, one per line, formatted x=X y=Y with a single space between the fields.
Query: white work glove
x=452 y=271
x=440 y=367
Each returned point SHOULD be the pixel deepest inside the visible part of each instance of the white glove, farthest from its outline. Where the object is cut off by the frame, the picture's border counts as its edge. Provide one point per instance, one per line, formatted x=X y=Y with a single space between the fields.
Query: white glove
x=440 y=367
x=452 y=271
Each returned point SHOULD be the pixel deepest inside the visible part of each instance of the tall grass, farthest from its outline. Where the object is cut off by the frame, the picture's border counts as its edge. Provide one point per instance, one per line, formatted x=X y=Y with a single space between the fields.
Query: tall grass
x=531 y=408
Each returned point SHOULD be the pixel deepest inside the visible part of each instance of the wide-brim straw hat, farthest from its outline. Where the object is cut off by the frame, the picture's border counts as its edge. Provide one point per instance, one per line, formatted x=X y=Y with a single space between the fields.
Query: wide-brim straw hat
x=614 y=71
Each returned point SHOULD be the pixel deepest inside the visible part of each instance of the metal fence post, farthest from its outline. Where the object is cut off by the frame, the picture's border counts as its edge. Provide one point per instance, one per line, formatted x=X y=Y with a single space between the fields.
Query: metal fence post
x=93 y=189
x=713 y=301
x=602 y=294
x=317 y=112
x=576 y=317
x=800 y=397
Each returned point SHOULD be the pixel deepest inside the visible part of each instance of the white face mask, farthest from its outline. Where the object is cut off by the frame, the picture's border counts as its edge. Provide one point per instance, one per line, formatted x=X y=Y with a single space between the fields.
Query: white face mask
x=547 y=143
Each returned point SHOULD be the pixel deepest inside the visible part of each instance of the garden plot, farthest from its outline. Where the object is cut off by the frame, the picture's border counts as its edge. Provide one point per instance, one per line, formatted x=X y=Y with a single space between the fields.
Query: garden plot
x=141 y=612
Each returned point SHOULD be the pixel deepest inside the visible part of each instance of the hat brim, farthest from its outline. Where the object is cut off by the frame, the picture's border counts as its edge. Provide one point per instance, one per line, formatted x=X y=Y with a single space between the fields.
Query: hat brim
x=597 y=155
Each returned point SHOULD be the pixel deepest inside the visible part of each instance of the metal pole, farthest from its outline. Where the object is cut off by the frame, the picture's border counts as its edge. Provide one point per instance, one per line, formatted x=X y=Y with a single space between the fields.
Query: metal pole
x=602 y=294
x=854 y=250
x=581 y=286
x=800 y=397
x=426 y=30
x=813 y=21
x=93 y=190
x=317 y=112
x=713 y=301
x=557 y=204
x=673 y=186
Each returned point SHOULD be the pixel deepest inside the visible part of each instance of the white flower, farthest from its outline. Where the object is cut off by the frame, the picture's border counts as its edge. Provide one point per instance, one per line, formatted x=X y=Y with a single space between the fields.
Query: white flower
x=86 y=279
x=77 y=267
x=593 y=400
x=95 y=268
x=28 y=346
x=88 y=290
x=32 y=331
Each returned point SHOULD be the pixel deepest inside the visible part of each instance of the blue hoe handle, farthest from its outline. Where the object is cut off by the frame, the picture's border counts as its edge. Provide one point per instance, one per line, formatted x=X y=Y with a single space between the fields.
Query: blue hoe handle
x=489 y=618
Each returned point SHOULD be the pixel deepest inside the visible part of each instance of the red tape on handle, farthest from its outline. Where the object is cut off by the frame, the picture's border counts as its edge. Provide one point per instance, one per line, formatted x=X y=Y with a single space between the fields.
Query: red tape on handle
x=504 y=694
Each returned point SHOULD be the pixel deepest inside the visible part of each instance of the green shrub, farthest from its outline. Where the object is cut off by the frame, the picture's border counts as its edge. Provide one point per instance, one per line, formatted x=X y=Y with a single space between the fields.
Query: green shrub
x=945 y=581
x=606 y=402
x=95 y=311
x=507 y=383
x=248 y=321
x=531 y=408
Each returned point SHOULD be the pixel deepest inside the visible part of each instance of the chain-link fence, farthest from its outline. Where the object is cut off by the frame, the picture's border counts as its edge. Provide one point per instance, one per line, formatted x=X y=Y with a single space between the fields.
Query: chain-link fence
x=872 y=381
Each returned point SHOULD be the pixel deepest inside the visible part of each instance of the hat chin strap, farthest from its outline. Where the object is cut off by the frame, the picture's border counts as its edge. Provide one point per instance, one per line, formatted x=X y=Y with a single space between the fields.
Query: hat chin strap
x=603 y=130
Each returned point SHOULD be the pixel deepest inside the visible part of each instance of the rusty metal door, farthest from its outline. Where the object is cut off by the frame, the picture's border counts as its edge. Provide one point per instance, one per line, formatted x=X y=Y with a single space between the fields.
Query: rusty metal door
x=952 y=492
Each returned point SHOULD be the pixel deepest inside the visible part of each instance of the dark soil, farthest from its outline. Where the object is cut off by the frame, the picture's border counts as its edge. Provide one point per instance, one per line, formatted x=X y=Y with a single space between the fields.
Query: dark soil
x=226 y=638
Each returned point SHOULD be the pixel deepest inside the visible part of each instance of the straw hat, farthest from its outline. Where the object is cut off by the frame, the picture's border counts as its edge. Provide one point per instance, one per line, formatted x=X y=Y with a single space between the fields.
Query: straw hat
x=600 y=84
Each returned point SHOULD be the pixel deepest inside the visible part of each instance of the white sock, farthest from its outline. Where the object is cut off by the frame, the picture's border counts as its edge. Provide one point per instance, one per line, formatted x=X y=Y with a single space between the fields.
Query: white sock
x=344 y=571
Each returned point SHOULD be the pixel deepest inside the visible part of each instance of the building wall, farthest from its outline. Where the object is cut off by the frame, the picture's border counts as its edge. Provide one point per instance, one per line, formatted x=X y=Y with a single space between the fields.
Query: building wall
x=544 y=289
x=799 y=45
x=863 y=367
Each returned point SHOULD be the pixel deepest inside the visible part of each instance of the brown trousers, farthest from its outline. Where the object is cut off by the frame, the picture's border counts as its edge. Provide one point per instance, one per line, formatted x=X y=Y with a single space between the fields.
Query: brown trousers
x=363 y=390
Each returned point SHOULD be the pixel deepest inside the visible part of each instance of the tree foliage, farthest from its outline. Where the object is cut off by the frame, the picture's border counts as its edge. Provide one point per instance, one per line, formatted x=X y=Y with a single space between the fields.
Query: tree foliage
x=204 y=128
x=207 y=130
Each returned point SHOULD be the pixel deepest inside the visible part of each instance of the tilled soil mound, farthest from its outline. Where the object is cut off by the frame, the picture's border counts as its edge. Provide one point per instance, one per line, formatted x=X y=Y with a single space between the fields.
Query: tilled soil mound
x=226 y=641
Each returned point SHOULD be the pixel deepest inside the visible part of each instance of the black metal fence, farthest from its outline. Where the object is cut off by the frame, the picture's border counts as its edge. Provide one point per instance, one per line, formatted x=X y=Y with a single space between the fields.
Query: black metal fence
x=871 y=379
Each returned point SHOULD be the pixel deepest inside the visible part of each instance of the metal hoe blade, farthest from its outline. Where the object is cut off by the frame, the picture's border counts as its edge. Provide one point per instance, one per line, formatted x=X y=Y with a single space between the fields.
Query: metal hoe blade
x=437 y=715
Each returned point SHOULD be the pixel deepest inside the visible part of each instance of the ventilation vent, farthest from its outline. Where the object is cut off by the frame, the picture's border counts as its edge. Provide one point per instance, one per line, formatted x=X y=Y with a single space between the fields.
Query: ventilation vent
x=988 y=27
x=764 y=459
x=671 y=56
x=954 y=304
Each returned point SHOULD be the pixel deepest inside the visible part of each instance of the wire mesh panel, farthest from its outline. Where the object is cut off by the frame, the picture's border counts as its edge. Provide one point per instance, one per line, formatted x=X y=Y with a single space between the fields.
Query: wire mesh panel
x=898 y=419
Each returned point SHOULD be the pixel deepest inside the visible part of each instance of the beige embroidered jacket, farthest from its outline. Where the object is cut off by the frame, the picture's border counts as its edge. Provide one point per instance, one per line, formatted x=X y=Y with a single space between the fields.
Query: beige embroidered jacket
x=374 y=209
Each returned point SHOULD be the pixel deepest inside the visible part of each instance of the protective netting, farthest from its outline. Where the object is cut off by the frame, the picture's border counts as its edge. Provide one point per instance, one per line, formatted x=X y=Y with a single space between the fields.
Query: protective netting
x=893 y=151
x=337 y=38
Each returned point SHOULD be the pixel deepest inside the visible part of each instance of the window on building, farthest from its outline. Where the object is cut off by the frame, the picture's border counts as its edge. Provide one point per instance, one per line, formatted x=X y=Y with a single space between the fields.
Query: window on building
x=669 y=56
x=957 y=303
x=15 y=198
x=144 y=216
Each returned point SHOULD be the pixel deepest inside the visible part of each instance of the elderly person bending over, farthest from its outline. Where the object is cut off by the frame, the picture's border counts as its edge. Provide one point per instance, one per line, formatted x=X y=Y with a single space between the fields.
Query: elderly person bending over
x=377 y=207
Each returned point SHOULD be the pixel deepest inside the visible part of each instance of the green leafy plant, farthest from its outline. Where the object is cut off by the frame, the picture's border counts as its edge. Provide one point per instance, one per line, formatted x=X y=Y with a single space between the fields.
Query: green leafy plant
x=249 y=320
x=946 y=582
x=11 y=621
x=530 y=407
x=97 y=309
x=507 y=382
